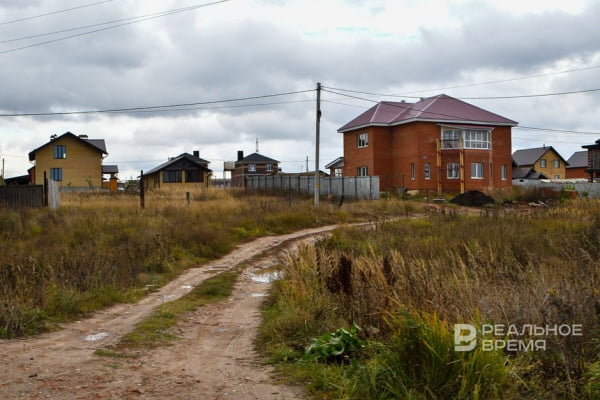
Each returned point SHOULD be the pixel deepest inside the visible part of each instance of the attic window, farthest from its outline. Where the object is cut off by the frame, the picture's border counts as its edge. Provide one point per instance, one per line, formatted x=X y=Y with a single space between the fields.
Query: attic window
x=60 y=151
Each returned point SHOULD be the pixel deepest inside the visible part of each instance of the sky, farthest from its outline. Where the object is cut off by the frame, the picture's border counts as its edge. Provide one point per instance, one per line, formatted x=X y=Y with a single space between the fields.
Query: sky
x=535 y=62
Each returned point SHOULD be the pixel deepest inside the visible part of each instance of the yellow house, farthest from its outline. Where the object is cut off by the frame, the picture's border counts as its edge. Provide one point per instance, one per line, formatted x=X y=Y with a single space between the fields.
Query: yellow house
x=71 y=160
x=545 y=160
x=185 y=170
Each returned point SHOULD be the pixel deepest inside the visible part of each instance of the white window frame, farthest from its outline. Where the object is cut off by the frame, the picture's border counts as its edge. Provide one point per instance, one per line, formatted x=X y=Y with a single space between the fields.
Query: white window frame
x=555 y=163
x=427 y=170
x=269 y=167
x=362 y=171
x=251 y=167
x=477 y=170
x=453 y=171
x=503 y=172
x=413 y=171
x=543 y=163
x=362 y=140
x=473 y=139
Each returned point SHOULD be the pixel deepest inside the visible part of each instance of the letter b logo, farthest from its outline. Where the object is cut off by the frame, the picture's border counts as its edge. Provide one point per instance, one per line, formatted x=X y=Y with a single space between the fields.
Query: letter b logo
x=462 y=341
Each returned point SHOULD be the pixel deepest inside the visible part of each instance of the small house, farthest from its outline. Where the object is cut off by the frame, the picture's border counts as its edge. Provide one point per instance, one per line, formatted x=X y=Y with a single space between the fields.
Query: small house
x=253 y=165
x=185 y=170
x=545 y=160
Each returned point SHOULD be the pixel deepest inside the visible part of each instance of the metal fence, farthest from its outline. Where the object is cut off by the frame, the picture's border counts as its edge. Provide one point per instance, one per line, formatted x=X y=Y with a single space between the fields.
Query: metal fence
x=352 y=187
x=22 y=196
x=584 y=189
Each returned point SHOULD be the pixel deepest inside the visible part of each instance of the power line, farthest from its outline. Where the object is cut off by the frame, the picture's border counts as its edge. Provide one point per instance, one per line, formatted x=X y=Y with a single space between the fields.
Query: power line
x=475 y=98
x=154 y=108
x=54 y=12
x=398 y=105
x=138 y=19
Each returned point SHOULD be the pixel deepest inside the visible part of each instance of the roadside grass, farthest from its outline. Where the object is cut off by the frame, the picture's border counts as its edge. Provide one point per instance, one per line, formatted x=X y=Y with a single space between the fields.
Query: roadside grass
x=407 y=282
x=99 y=249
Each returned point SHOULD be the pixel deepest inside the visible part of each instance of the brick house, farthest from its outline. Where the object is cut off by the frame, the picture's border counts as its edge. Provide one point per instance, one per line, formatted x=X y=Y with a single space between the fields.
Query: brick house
x=253 y=165
x=545 y=160
x=72 y=160
x=577 y=165
x=438 y=143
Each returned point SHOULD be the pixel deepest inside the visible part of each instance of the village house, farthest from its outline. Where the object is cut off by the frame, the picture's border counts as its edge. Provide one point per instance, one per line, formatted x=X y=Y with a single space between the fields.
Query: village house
x=545 y=160
x=336 y=167
x=185 y=170
x=74 y=161
x=593 y=151
x=253 y=165
x=577 y=165
x=439 y=143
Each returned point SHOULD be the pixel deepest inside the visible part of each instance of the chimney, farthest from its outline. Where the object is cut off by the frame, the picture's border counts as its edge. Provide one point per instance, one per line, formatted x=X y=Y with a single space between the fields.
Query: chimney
x=85 y=137
x=197 y=153
x=240 y=155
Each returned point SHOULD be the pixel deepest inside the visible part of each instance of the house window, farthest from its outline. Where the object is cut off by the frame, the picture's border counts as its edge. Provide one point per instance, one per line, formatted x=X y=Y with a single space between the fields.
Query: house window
x=171 y=176
x=413 y=172
x=543 y=163
x=503 y=172
x=269 y=167
x=337 y=172
x=471 y=138
x=477 y=170
x=427 y=170
x=556 y=164
x=362 y=171
x=194 y=175
x=60 y=151
x=556 y=176
x=56 y=174
x=251 y=167
x=453 y=170
x=363 y=139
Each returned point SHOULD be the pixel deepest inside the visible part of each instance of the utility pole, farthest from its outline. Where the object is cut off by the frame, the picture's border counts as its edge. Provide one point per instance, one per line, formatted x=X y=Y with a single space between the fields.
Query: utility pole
x=317 y=133
x=307 y=164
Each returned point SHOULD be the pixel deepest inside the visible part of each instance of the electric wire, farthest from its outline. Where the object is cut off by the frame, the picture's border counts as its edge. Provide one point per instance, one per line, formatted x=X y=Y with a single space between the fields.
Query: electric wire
x=54 y=12
x=138 y=20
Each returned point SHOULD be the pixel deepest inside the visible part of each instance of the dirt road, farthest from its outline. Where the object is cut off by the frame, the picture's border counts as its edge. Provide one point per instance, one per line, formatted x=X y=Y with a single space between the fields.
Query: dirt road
x=214 y=359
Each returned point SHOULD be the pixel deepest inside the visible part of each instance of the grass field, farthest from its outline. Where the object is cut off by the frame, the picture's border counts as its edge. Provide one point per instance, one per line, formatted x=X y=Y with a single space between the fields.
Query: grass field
x=99 y=249
x=407 y=282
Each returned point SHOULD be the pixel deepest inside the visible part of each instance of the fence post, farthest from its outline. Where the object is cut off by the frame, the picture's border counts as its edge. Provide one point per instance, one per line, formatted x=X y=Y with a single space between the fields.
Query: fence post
x=142 y=189
x=45 y=190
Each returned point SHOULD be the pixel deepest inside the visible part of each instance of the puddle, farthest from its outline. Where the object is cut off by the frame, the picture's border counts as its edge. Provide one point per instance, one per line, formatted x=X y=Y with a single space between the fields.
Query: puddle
x=97 y=336
x=187 y=287
x=266 y=277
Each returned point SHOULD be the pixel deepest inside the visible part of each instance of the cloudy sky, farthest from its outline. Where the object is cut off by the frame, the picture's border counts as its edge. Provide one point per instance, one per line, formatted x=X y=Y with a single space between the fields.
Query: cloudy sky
x=170 y=52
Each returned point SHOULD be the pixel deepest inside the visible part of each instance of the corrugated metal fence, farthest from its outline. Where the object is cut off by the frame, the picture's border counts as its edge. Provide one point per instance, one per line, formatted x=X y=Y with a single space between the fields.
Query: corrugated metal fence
x=22 y=196
x=353 y=187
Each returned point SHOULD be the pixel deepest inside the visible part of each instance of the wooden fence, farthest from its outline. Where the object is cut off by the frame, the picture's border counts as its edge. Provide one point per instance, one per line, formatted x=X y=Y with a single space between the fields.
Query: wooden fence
x=22 y=196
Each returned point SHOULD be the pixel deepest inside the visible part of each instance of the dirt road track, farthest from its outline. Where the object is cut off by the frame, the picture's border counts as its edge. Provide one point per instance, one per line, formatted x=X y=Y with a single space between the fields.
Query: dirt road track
x=214 y=359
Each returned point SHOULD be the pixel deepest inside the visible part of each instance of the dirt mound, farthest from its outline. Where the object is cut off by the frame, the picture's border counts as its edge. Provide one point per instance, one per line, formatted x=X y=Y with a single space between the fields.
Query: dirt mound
x=472 y=198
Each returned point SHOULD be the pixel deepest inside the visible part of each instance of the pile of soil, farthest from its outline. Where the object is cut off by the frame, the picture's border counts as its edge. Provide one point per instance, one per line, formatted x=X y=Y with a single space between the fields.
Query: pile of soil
x=472 y=198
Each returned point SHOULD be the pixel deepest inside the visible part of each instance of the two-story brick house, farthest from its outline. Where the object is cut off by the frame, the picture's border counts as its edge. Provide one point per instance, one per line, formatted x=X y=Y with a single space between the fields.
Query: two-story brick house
x=71 y=160
x=253 y=165
x=439 y=143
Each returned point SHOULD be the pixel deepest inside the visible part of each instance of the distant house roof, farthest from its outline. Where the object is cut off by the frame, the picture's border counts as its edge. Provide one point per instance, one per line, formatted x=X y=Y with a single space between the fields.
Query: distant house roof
x=337 y=163
x=110 y=169
x=527 y=173
x=579 y=159
x=97 y=144
x=256 y=158
x=592 y=146
x=197 y=161
x=530 y=156
x=440 y=108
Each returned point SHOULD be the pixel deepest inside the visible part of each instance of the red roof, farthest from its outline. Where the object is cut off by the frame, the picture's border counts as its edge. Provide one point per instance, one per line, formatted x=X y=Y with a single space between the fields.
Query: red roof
x=440 y=108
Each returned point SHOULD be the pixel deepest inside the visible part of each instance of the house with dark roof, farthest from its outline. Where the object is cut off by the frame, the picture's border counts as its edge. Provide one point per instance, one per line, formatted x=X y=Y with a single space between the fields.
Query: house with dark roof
x=545 y=160
x=185 y=170
x=522 y=174
x=593 y=160
x=577 y=165
x=253 y=165
x=336 y=167
x=72 y=160
x=439 y=143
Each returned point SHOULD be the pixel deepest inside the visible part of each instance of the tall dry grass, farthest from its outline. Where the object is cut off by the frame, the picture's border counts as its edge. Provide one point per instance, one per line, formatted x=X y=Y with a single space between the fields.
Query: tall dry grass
x=541 y=269
x=98 y=248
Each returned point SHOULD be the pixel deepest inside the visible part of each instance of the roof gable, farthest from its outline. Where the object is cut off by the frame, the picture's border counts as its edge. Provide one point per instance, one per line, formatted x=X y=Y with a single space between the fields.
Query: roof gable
x=440 y=108
x=97 y=144
x=184 y=158
x=531 y=156
x=256 y=158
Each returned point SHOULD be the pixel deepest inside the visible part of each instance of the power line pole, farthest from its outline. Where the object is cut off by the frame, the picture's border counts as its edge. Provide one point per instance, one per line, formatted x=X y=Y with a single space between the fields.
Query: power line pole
x=317 y=133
